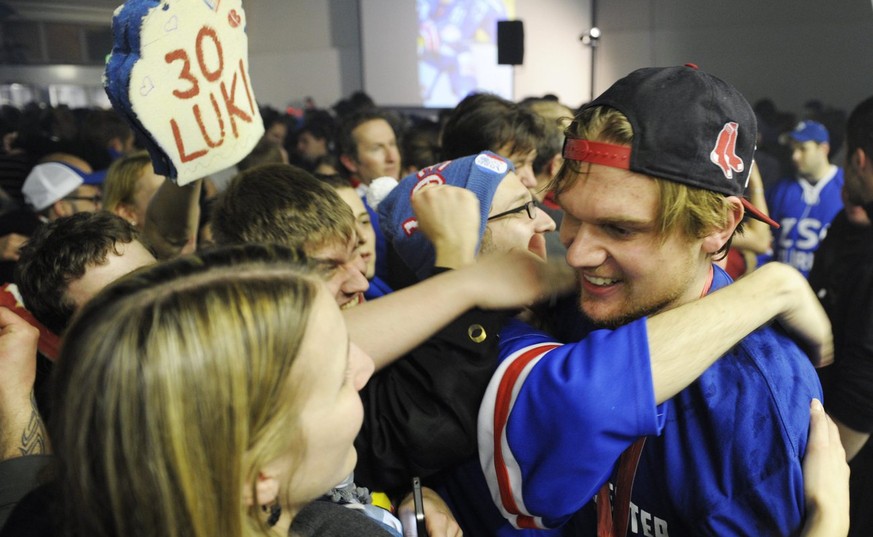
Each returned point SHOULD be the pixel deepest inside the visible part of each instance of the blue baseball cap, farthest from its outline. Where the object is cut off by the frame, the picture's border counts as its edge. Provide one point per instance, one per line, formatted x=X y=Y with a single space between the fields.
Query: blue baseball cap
x=810 y=131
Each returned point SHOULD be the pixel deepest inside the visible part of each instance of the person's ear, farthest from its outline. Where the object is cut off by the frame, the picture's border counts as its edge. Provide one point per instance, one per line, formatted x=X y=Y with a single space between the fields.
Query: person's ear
x=61 y=208
x=826 y=147
x=555 y=164
x=126 y=211
x=716 y=239
x=266 y=488
x=349 y=163
x=116 y=144
x=858 y=159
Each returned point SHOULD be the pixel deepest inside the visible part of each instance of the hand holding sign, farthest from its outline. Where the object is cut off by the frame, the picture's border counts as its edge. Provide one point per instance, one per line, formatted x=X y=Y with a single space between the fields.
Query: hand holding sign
x=179 y=74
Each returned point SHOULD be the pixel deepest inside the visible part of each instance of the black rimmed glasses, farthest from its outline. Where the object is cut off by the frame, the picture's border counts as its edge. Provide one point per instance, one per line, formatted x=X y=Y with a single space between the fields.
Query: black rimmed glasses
x=96 y=199
x=530 y=207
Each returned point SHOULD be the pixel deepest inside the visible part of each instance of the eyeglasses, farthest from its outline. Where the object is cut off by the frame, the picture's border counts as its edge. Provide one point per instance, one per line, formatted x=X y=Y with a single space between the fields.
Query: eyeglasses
x=96 y=199
x=530 y=207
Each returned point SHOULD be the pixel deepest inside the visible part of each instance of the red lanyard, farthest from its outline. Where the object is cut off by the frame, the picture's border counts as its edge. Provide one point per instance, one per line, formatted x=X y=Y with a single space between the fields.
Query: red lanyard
x=613 y=523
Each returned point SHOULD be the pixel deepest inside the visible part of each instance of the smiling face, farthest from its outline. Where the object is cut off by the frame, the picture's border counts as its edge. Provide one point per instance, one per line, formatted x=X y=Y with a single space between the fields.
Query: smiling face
x=516 y=230
x=626 y=268
x=330 y=370
x=342 y=269
x=366 y=235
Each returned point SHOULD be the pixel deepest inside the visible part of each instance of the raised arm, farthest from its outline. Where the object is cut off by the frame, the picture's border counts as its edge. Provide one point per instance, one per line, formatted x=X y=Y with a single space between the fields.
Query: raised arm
x=21 y=428
x=530 y=455
x=449 y=217
x=685 y=341
x=172 y=219
x=391 y=326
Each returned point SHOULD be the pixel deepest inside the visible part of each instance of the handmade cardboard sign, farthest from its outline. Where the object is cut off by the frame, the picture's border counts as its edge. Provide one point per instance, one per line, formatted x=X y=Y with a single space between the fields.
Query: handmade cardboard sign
x=178 y=72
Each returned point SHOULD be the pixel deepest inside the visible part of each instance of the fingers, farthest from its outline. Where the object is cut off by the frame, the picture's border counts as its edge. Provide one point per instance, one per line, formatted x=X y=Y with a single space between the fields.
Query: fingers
x=9 y=245
x=823 y=432
x=818 y=425
x=18 y=341
x=440 y=524
x=438 y=518
x=803 y=316
x=11 y=323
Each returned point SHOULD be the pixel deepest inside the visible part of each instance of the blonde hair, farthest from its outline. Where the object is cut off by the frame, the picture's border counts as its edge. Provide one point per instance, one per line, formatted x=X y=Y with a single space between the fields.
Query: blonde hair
x=122 y=180
x=693 y=212
x=174 y=390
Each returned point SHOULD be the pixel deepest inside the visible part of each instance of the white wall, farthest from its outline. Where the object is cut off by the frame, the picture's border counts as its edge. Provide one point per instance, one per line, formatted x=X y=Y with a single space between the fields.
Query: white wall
x=555 y=61
x=788 y=50
x=301 y=48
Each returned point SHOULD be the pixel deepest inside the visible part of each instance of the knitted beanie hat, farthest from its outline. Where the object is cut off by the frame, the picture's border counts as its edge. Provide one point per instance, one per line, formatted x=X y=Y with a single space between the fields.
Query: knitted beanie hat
x=480 y=174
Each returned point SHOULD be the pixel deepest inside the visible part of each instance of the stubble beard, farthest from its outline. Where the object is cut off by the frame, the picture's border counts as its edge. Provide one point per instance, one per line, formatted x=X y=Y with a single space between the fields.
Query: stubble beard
x=629 y=313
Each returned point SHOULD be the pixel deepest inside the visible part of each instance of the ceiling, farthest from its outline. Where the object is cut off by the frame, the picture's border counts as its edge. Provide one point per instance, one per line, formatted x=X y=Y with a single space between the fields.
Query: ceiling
x=103 y=4
x=82 y=11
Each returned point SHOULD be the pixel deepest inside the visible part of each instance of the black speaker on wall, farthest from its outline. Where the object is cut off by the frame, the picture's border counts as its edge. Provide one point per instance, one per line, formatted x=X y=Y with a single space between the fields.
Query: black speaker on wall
x=510 y=42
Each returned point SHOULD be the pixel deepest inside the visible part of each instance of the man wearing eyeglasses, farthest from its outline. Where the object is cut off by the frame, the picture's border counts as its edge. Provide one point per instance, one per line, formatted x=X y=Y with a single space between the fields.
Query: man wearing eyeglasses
x=464 y=207
x=61 y=185
x=443 y=231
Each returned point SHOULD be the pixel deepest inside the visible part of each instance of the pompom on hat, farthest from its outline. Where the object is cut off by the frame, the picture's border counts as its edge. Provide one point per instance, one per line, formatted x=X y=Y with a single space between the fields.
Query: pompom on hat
x=480 y=174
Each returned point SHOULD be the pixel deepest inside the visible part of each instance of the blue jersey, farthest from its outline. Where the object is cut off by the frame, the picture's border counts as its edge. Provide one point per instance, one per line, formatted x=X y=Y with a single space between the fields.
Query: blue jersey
x=540 y=413
x=727 y=460
x=804 y=212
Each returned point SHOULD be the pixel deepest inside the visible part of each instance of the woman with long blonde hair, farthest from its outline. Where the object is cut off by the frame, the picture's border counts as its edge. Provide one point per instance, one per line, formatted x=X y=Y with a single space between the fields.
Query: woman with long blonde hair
x=203 y=400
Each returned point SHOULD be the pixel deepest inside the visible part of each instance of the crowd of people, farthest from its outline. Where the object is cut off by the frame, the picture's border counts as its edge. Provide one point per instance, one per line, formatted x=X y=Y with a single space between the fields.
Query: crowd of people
x=529 y=309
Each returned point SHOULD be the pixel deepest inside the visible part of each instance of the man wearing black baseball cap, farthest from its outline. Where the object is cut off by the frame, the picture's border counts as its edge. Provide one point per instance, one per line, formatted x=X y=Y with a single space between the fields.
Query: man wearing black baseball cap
x=652 y=190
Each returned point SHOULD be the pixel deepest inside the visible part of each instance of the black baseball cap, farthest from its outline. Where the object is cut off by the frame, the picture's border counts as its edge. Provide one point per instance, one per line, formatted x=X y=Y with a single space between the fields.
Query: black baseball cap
x=689 y=127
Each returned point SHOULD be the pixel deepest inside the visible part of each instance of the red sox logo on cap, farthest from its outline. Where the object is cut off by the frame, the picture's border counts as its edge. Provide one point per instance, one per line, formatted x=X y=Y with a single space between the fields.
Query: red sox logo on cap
x=724 y=153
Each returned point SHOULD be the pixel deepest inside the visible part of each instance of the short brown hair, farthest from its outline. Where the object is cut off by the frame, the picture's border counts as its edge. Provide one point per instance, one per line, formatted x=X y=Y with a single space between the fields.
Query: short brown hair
x=486 y=122
x=58 y=253
x=283 y=204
